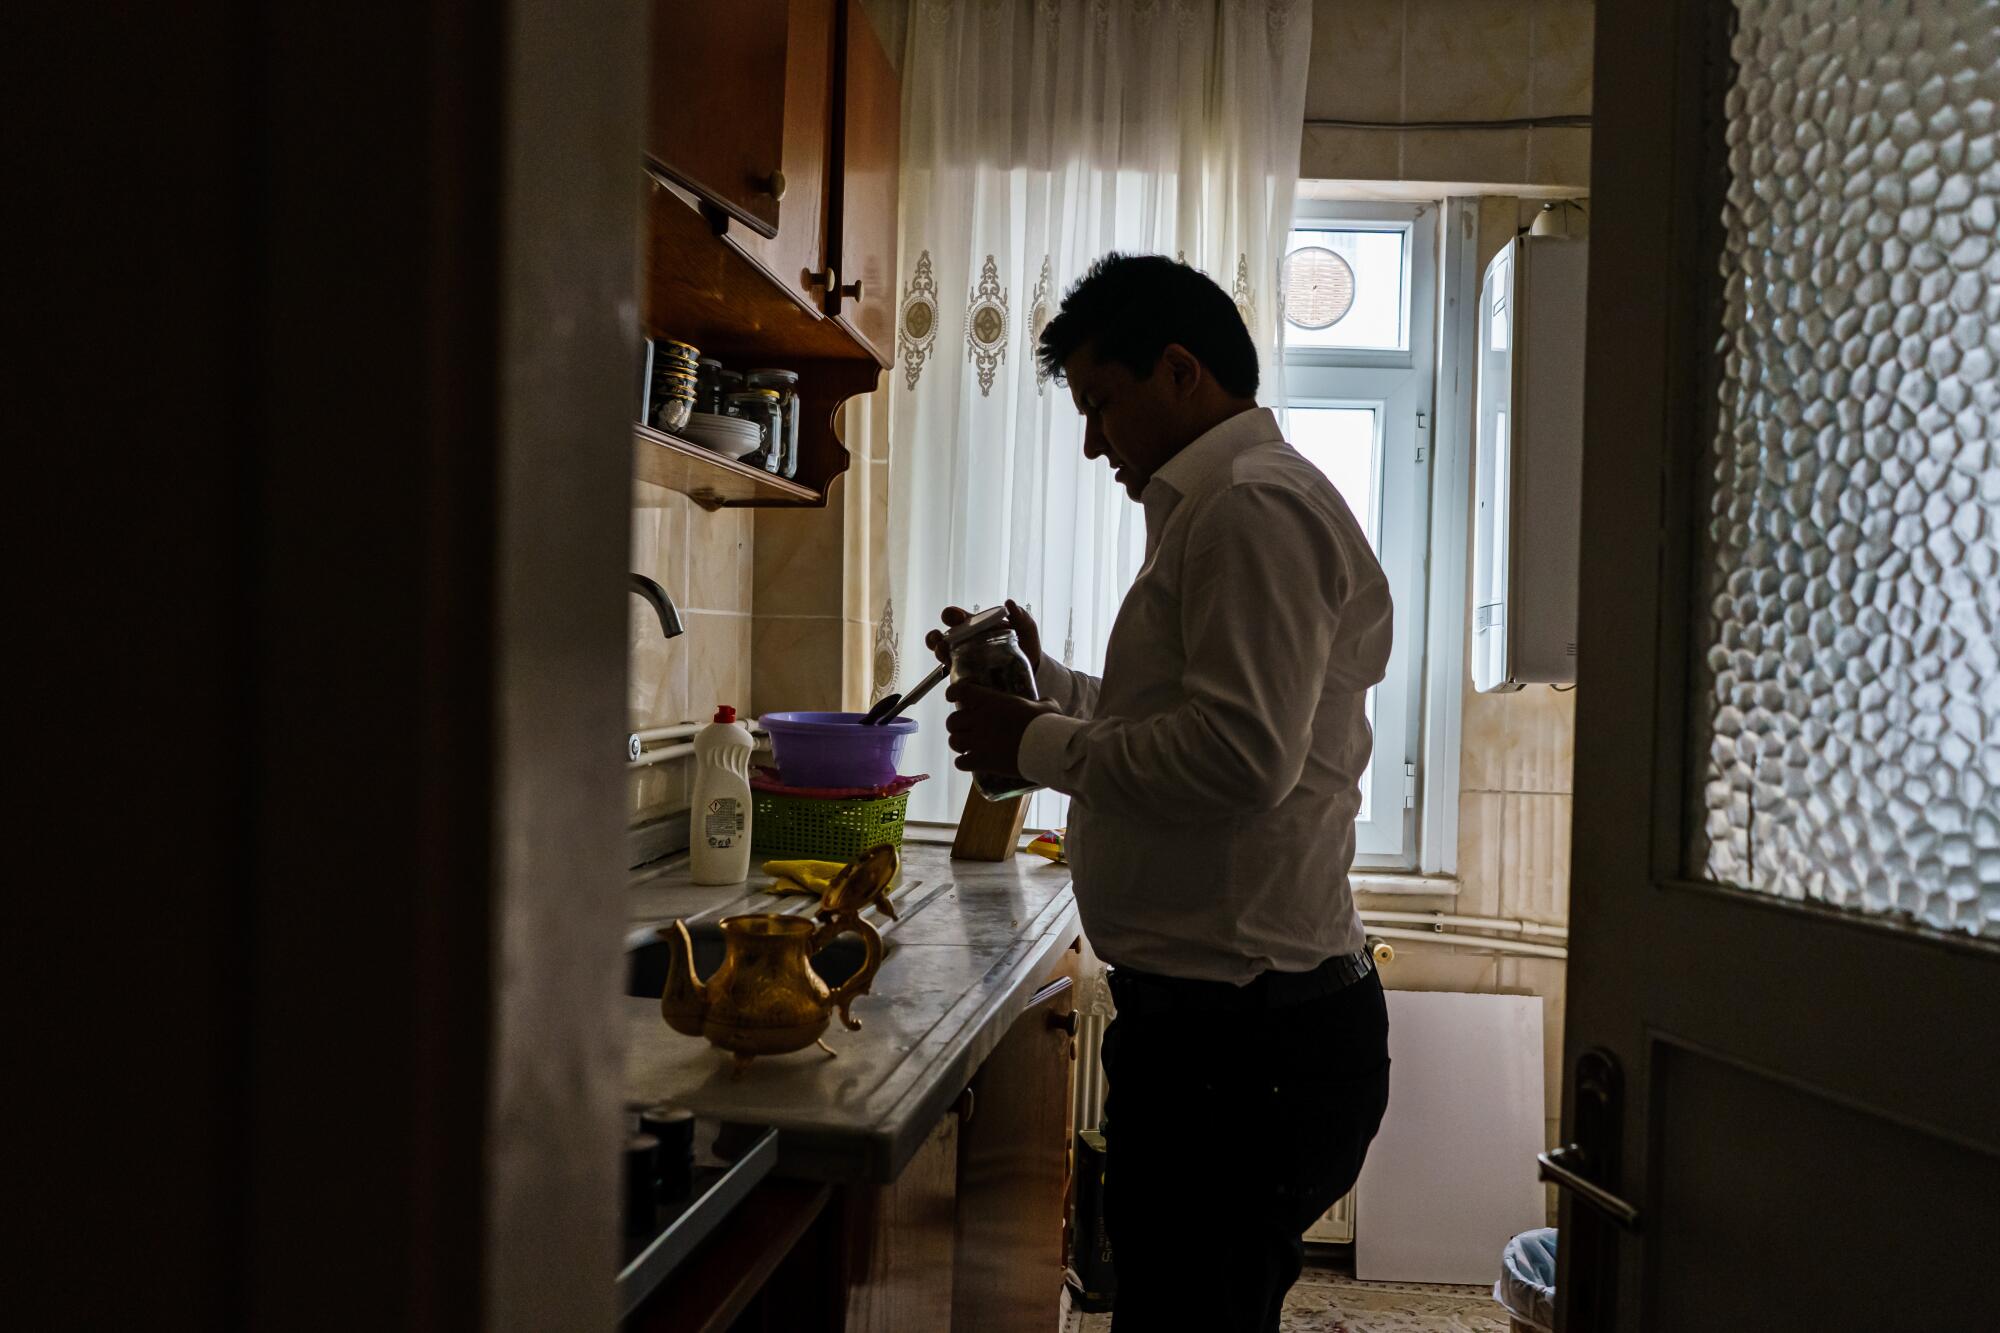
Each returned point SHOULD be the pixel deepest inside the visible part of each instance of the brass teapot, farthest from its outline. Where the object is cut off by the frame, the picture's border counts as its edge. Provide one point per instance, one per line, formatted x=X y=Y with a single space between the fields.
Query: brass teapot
x=765 y=998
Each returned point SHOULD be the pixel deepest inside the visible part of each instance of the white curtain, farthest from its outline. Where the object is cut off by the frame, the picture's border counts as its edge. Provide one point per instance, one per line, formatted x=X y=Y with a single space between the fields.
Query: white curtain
x=1039 y=135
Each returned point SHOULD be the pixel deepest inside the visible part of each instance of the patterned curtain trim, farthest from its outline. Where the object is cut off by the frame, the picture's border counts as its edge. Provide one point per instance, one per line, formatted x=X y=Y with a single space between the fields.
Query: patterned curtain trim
x=986 y=325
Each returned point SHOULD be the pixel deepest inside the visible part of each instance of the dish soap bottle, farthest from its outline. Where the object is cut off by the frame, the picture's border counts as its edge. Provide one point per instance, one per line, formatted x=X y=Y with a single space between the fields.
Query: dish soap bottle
x=719 y=814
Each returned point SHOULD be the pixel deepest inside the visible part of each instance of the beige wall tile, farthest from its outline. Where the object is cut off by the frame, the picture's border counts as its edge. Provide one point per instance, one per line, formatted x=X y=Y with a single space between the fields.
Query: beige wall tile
x=1366 y=155
x=1524 y=741
x=797 y=663
x=857 y=662
x=1563 y=34
x=878 y=545
x=718 y=664
x=860 y=541
x=1480 y=841
x=1479 y=156
x=1356 y=69
x=660 y=789
x=1419 y=965
x=1548 y=978
x=1534 y=873
x=1559 y=157
x=720 y=560
x=1467 y=60
x=799 y=558
x=659 y=537
x=657 y=671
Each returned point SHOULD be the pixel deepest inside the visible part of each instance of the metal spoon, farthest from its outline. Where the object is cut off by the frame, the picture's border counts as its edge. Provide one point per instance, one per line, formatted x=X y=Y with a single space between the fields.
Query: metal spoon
x=891 y=706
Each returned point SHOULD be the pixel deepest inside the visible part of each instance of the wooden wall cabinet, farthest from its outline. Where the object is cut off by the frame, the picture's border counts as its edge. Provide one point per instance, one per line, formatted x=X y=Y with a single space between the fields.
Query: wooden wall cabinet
x=861 y=236
x=717 y=102
x=809 y=285
x=796 y=255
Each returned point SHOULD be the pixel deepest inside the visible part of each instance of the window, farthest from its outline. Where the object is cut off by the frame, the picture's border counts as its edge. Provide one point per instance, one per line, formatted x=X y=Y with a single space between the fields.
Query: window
x=1359 y=293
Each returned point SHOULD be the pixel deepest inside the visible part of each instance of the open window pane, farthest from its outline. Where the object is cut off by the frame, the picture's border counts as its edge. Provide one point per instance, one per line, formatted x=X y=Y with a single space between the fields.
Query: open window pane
x=1343 y=443
x=1346 y=444
x=1347 y=287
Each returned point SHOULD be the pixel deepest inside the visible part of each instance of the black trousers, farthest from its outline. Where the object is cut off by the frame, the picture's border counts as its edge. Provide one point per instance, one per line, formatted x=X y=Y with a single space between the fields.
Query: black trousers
x=1227 y=1136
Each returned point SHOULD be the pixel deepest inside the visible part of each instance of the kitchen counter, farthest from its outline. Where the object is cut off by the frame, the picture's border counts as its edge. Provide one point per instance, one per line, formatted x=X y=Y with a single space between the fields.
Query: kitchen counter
x=974 y=942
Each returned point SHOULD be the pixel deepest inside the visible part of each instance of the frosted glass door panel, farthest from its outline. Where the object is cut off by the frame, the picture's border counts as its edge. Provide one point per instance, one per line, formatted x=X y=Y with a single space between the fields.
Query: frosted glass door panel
x=1847 y=671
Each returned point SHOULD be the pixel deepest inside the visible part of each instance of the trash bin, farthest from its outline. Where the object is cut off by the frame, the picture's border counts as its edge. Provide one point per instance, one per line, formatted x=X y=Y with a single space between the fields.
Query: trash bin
x=1527 y=1285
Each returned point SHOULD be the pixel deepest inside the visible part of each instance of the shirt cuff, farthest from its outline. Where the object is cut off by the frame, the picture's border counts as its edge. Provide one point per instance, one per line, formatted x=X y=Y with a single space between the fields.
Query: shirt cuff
x=1045 y=747
x=1056 y=684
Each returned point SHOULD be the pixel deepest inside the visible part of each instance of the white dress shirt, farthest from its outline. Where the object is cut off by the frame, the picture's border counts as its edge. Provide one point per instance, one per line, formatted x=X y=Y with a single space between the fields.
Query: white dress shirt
x=1215 y=768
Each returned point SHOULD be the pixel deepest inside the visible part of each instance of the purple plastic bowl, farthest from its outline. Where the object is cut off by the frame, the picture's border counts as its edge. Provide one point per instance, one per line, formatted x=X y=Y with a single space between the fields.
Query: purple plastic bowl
x=834 y=749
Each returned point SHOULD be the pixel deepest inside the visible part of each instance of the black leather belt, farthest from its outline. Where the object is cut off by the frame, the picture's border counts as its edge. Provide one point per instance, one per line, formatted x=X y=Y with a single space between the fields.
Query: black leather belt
x=1140 y=993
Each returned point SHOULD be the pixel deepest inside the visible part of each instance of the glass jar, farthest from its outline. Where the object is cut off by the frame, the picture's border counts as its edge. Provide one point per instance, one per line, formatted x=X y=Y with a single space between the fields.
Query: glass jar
x=712 y=387
x=761 y=406
x=785 y=383
x=987 y=653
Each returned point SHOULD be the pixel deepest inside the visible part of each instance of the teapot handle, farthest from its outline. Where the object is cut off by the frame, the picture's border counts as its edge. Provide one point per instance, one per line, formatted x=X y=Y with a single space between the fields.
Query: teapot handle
x=857 y=985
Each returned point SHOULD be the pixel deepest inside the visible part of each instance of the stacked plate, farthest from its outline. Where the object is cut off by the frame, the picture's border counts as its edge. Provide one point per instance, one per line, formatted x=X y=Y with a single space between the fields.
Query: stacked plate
x=732 y=437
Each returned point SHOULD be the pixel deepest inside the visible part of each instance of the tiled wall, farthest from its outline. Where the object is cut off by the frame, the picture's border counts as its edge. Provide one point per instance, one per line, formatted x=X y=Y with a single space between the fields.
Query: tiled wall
x=822 y=579
x=704 y=561
x=1439 y=60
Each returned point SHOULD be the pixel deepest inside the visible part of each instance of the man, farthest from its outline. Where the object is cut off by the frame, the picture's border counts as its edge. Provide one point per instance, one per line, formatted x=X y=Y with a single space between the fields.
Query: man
x=1214 y=773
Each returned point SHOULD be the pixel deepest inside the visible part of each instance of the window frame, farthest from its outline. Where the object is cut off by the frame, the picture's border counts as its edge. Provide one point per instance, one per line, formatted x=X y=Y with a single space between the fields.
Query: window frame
x=1415 y=743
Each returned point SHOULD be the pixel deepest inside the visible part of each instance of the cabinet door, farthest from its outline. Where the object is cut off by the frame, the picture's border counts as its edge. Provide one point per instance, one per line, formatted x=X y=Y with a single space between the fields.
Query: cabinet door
x=1013 y=1163
x=899 y=1260
x=798 y=251
x=864 y=210
x=718 y=103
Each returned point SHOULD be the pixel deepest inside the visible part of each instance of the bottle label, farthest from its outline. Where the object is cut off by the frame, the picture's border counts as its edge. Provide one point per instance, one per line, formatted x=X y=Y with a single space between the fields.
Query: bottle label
x=722 y=824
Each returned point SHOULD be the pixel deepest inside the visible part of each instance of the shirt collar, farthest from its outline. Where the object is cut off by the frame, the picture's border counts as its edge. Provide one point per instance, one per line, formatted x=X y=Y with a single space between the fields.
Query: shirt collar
x=1203 y=464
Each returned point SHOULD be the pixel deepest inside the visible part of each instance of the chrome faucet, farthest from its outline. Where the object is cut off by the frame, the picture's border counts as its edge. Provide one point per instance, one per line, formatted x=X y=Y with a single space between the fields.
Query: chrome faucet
x=663 y=605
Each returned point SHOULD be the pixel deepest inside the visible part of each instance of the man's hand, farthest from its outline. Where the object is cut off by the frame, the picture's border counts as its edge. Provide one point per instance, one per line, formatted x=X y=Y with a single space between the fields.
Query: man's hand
x=987 y=726
x=1018 y=620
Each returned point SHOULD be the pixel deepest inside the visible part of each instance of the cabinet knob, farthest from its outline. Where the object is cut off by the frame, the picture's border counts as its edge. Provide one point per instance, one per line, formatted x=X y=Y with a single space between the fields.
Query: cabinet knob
x=774 y=185
x=966 y=1104
x=851 y=290
x=1065 y=1021
x=824 y=280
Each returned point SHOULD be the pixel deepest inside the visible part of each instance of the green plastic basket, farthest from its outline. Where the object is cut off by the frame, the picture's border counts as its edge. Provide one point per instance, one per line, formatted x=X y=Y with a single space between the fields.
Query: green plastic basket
x=824 y=828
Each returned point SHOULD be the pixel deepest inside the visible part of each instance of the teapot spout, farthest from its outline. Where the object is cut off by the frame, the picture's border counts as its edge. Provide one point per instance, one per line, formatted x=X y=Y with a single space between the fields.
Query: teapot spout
x=684 y=1003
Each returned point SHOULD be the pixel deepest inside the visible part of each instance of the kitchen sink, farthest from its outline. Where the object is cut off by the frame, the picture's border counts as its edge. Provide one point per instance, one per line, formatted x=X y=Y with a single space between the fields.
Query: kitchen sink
x=646 y=958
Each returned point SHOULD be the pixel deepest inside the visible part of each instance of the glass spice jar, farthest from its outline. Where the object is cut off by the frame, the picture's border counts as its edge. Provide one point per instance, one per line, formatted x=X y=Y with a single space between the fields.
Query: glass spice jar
x=785 y=383
x=985 y=652
x=762 y=407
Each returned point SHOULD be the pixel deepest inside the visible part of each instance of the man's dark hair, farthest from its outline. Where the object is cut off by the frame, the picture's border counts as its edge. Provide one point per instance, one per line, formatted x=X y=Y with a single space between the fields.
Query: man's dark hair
x=1129 y=307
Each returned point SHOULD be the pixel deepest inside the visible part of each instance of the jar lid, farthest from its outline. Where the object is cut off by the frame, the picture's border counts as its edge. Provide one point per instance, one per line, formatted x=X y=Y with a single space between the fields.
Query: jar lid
x=764 y=395
x=980 y=622
x=781 y=376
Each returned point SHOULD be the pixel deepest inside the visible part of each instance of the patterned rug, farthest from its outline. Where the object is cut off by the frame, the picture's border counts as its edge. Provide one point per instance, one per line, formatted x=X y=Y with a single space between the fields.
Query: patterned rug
x=1328 y=1302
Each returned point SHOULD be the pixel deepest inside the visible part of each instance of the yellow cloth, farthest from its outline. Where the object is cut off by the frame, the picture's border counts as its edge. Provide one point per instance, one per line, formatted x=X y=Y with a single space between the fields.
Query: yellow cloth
x=809 y=879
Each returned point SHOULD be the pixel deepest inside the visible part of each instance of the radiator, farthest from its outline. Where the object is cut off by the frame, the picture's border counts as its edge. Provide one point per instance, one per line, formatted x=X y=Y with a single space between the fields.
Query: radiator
x=1093 y=1015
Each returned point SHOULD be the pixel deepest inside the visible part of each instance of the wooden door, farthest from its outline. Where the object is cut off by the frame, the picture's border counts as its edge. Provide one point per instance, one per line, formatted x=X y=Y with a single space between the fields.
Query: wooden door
x=798 y=252
x=1782 y=1077
x=1013 y=1164
x=868 y=151
x=718 y=104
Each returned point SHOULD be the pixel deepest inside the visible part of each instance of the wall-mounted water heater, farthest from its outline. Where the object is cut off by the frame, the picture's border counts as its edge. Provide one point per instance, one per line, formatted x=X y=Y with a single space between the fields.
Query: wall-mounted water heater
x=1528 y=470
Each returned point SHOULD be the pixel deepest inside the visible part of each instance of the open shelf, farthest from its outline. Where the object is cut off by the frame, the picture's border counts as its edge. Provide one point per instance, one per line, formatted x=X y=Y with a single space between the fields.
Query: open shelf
x=706 y=477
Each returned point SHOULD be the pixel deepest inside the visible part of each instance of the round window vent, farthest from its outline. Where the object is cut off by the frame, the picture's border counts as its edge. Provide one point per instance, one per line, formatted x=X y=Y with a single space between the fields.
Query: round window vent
x=1319 y=288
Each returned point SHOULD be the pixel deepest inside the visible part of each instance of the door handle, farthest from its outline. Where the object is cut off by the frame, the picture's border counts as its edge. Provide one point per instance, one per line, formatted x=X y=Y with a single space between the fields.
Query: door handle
x=1565 y=1167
